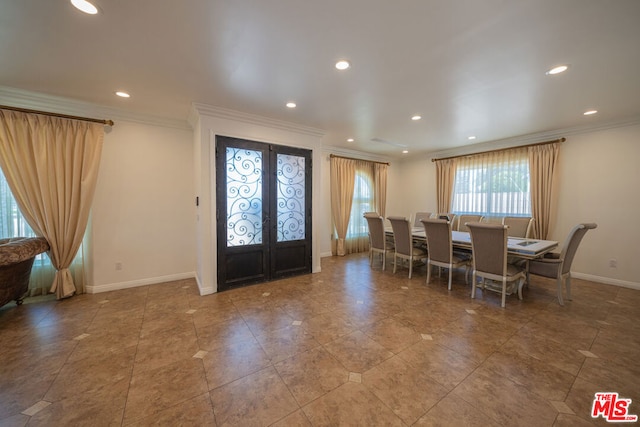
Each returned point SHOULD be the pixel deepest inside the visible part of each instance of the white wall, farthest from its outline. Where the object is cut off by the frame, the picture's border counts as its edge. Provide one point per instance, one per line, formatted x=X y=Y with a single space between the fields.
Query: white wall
x=143 y=209
x=599 y=175
x=599 y=182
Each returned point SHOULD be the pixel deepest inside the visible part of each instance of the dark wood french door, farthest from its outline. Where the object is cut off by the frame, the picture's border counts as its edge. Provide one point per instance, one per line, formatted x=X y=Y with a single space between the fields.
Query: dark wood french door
x=263 y=194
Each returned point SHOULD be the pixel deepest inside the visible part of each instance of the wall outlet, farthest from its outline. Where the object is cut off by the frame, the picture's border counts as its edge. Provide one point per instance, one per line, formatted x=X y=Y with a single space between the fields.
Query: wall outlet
x=118 y=266
x=613 y=263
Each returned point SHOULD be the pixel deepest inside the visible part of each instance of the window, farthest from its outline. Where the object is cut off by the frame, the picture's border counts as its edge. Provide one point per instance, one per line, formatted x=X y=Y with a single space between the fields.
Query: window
x=13 y=224
x=493 y=184
x=362 y=202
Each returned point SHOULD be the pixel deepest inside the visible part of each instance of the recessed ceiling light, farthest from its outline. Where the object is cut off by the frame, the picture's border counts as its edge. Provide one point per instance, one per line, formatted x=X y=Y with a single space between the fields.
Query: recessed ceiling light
x=343 y=65
x=85 y=6
x=472 y=137
x=416 y=117
x=291 y=105
x=557 y=70
x=122 y=94
x=350 y=140
x=590 y=112
x=405 y=151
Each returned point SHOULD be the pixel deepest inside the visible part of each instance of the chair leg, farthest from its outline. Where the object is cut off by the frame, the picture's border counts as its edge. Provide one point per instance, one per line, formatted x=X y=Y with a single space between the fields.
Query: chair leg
x=428 y=272
x=520 y=286
x=504 y=292
x=449 y=287
x=370 y=258
x=473 y=284
x=384 y=260
x=395 y=263
x=410 y=267
x=568 y=286
x=559 y=286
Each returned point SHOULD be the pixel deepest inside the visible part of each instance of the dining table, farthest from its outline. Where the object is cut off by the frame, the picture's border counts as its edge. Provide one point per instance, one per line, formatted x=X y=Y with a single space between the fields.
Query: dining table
x=525 y=248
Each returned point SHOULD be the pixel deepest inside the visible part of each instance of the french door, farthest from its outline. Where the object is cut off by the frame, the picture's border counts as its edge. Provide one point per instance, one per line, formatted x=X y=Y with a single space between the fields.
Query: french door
x=263 y=194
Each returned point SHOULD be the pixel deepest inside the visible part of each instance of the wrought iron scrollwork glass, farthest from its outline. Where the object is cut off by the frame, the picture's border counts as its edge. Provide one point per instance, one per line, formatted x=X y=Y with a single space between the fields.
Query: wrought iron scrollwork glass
x=291 y=188
x=244 y=197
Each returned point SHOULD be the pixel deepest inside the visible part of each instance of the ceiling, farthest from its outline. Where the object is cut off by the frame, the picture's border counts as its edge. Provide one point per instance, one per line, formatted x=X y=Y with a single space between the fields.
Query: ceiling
x=468 y=67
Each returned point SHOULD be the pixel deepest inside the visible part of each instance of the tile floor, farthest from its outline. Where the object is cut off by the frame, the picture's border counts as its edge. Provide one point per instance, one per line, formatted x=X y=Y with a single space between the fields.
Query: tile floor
x=349 y=346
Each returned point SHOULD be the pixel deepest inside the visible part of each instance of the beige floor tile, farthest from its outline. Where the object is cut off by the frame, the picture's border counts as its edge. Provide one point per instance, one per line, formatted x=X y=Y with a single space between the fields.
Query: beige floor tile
x=444 y=365
x=357 y=352
x=328 y=327
x=407 y=390
x=311 y=374
x=452 y=411
x=392 y=334
x=297 y=419
x=196 y=412
x=229 y=363
x=350 y=405
x=256 y=400
x=282 y=343
x=507 y=402
x=549 y=382
x=153 y=391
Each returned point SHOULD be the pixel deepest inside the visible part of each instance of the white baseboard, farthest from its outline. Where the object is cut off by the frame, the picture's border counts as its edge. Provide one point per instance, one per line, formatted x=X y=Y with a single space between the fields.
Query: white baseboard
x=606 y=280
x=325 y=254
x=140 y=282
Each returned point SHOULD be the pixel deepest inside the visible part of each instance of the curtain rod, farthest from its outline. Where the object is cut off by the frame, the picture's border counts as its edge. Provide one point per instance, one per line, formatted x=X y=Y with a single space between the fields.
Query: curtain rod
x=353 y=158
x=502 y=149
x=63 y=116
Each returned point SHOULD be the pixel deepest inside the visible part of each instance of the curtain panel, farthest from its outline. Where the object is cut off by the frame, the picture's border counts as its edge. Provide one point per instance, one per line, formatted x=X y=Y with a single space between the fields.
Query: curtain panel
x=343 y=175
x=51 y=165
x=357 y=186
x=543 y=162
x=445 y=178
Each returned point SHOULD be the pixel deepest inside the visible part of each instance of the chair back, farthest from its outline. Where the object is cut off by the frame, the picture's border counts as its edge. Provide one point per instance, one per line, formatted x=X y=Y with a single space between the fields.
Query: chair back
x=571 y=244
x=489 y=247
x=463 y=219
x=419 y=217
x=376 y=230
x=439 y=245
x=401 y=234
x=519 y=226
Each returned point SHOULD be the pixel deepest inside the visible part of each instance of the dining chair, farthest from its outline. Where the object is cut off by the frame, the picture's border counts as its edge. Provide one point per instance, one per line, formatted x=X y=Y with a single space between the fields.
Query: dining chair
x=403 y=241
x=558 y=266
x=419 y=217
x=440 y=248
x=463 y=219
x=377 y=238
x=489 y=252
x=519 y=226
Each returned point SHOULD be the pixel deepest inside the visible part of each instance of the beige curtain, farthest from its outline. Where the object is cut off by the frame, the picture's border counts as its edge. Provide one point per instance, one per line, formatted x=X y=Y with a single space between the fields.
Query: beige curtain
x=343 y=173
x=51 y=165
x=543 y=161
x=445 y=177
x=380 y=171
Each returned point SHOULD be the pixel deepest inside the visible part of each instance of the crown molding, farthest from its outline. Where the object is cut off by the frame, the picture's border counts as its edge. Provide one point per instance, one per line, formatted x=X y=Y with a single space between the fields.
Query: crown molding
x=199 y=109
x=534 y=138
x=339 y=151
x=55 y=104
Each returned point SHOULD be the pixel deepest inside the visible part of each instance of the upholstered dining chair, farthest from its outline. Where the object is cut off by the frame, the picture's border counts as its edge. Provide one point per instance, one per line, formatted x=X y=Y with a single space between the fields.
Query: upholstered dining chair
x=377 y=240
x=558 y=266
x=489 y=249
x=403 y=241
x=419 y=217
x=463 y=219
x=440 y=248
x=519 y=226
